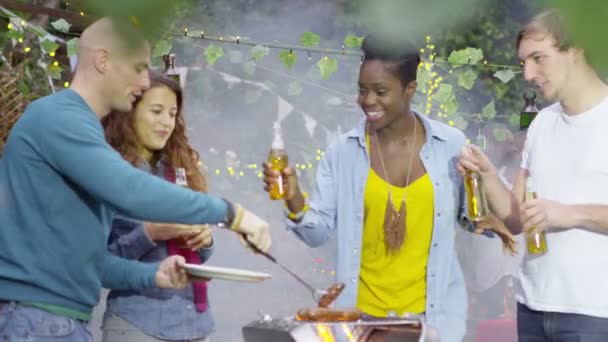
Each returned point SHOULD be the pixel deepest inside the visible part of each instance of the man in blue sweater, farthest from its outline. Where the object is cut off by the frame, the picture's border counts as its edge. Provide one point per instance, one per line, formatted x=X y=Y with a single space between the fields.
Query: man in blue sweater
x=60 y=182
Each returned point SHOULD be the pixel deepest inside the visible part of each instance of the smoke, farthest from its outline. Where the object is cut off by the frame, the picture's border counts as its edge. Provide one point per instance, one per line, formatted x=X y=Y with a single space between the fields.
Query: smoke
x=230 y=108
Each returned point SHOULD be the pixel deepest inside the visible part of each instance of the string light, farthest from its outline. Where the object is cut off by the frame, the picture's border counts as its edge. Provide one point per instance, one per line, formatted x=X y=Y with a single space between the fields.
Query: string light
x=27 y=49
x=66 y=84
x=52 y=53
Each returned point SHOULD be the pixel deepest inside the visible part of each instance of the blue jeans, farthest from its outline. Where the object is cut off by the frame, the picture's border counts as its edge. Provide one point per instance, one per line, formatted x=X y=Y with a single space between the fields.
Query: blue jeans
x=20 y=323
x=542 y=326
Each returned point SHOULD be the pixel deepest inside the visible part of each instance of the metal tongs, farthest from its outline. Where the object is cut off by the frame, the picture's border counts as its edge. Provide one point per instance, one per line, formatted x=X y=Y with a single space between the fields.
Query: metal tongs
x=316 y=293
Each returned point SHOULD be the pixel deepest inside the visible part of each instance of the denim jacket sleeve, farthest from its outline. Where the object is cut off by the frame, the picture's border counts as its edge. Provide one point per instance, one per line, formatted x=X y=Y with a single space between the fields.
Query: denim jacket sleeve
x=128 y=238
x=316 y=226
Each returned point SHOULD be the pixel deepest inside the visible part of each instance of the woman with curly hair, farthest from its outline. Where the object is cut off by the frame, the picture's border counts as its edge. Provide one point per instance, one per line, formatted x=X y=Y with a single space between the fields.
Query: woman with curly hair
x=153 y=137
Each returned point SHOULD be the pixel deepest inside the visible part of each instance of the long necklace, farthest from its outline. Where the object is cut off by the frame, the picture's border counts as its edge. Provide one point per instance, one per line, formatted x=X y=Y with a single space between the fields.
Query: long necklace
x=395 y=229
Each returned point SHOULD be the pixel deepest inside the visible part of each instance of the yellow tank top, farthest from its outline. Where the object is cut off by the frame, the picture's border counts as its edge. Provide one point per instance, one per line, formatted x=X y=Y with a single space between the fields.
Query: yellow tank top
x=395 y=282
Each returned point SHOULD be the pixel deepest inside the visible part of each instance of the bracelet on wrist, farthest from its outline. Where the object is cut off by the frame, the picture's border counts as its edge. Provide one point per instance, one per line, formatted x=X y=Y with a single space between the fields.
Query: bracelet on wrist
x=298 y=216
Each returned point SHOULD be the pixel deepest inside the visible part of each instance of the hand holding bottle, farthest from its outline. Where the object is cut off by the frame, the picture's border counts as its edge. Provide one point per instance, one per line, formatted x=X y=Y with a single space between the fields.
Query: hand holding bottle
x=472 y=158
x=287 y=177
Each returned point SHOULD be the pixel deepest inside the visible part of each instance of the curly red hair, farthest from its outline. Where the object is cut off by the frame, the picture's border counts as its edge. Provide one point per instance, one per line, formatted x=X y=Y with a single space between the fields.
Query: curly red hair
x=120 y=134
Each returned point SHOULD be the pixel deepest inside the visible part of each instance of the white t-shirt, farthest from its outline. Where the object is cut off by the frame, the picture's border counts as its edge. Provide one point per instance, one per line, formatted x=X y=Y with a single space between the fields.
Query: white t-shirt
x=567 y=159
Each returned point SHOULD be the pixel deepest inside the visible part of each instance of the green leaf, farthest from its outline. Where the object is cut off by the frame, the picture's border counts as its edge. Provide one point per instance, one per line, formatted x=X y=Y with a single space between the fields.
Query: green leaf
x=259 y=51
x=459 y=57
x=162 y=47
x=475 y=55
x=49 y=46
x=451 y=106
x=309 y=39
x=444 y=93
x=14 y=34
x=294 y=88
x=353 y=41
x=288 y=58
x=61 y=25
x=327 y=66
x=467 y=79
x=55 y=71
x=423 y=77
x=23 y=87
x=72 y=46
x=235 y=56
x=504 y=75
x=213 y=53
x=465 y=56
x=249 y=67
x=489 y=111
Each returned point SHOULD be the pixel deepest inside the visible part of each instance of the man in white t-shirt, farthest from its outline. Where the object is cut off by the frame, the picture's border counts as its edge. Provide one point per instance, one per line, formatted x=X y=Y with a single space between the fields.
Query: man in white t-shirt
x=564 y=293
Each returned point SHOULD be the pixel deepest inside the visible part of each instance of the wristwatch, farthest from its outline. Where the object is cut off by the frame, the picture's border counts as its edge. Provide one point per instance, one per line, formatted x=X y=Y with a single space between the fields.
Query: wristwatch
x=230 y=213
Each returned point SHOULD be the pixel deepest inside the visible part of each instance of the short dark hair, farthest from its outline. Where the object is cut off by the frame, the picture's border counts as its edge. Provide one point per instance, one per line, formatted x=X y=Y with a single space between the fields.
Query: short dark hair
x=403 y=55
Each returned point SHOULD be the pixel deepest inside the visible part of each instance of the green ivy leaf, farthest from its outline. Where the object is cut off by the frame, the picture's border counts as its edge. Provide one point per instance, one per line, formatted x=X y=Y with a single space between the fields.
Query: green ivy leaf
x=213 y=53
x=465 y=56
x=72 y=46
x=459 y=57
x=423 y=77
x=309 y=39
x=55 y=71
x=475 y=55
x=288 y=58
x=444 y=93
x=259 y=51
x=504 y=75
x=61 y=25
x=235 y=56
x=249 y=67
x=294 y=88
x=467 y=79
x=327 y=66
x=161 y=48
x=14 y=34
x=353 y=41
x=49 y=46
x=451 y=106
x=489 y=111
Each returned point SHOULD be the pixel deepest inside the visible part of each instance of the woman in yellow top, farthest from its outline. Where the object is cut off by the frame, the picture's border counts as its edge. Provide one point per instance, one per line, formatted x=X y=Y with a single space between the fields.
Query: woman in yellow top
x=391 y=194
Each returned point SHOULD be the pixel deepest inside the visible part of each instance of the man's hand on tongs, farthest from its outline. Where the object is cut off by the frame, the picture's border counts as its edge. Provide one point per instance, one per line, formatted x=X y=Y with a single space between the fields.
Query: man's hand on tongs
x=255 y=230
x=495 y=225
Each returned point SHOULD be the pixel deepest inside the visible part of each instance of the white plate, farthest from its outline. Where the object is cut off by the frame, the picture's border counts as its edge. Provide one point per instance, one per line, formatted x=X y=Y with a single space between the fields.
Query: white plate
x=213 y=272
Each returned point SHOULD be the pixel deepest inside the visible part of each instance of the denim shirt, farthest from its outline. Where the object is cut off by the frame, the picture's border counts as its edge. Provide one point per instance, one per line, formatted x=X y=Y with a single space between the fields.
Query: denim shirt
x=336 y=207
x=162 y=313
